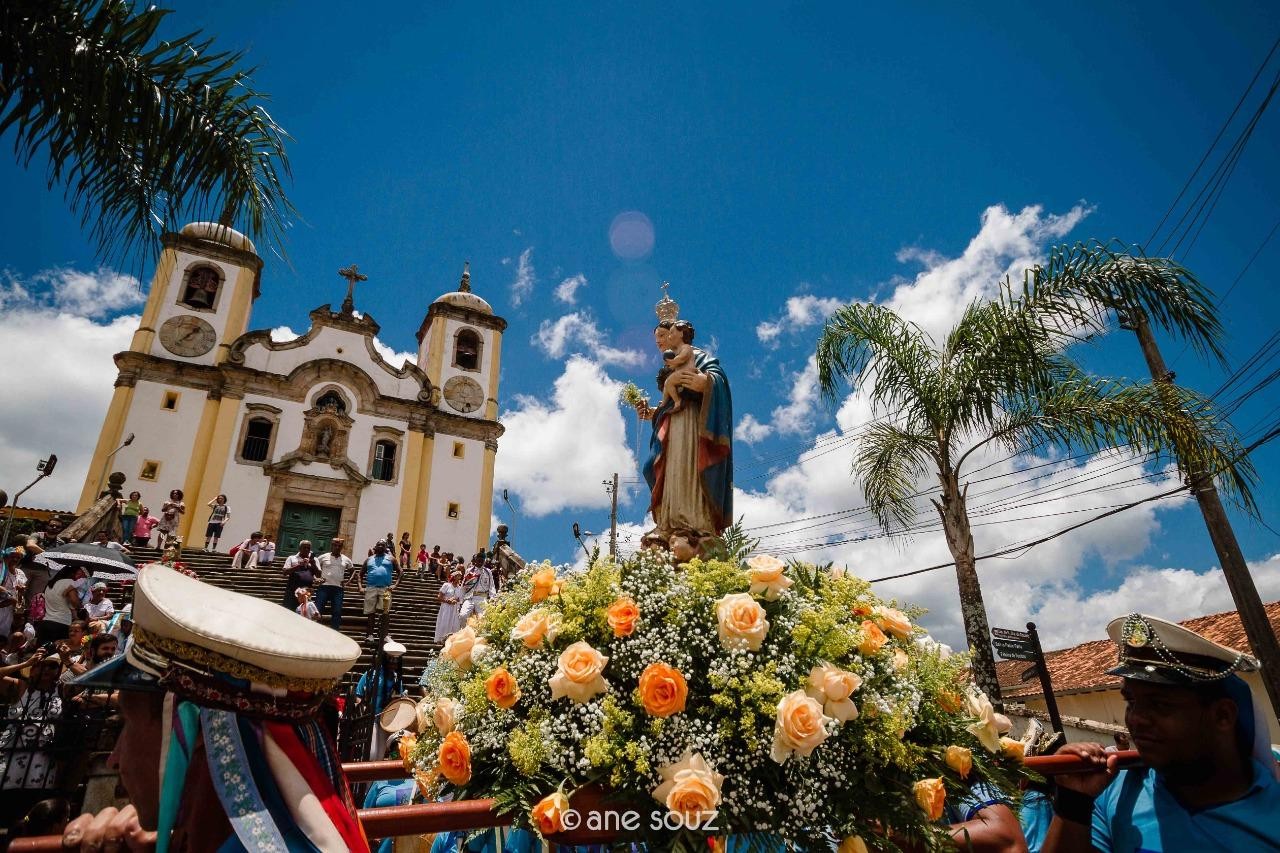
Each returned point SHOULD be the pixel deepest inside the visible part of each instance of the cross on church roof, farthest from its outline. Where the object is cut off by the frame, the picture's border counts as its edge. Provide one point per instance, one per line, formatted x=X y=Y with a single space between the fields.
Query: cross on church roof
x=352 y=274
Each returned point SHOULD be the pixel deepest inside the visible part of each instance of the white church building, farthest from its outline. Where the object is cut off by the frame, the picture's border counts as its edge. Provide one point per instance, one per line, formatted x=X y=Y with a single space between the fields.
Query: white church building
x=308 y=438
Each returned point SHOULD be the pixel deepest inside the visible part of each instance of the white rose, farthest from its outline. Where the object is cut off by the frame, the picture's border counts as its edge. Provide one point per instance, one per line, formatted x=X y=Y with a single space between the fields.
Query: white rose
x=767 y=576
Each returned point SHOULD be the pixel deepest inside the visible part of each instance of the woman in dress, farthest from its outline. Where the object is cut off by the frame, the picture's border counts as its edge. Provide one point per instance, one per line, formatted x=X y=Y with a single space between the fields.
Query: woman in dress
x=450 y=597
x=219 y=515
x=406 y=550
x=170 y=511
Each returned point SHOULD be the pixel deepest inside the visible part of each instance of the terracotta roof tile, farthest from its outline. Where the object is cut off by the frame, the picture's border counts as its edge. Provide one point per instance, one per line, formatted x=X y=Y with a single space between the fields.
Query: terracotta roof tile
x=1084 y=667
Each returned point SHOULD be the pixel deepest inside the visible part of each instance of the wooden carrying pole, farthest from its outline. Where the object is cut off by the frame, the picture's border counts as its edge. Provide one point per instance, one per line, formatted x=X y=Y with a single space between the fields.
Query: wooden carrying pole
x=426 y=818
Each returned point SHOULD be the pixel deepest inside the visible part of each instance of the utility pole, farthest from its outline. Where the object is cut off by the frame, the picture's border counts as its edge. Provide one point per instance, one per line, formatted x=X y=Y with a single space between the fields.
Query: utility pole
x=1244 y=593
x=612 y=489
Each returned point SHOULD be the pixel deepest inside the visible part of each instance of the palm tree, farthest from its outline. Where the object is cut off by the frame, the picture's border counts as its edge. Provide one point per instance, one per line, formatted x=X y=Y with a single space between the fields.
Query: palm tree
x=1003 y=377
x=140 y=135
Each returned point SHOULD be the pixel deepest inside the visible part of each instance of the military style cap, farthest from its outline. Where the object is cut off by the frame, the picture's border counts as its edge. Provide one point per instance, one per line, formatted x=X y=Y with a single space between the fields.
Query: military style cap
x=224 y=649
x=1162 y=652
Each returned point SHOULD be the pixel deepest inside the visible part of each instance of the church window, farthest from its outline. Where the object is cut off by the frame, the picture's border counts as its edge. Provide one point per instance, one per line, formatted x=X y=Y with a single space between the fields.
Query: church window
x=466 y=350
x=257 y=440
x=459 y=450
x=170 y=402
x=200 y=291
x=150 y=470
x=331 y=401
x=384 y=461
x=453 y=510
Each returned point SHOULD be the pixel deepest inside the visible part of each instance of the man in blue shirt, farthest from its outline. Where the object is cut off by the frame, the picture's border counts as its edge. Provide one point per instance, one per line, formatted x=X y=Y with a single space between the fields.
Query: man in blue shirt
x=1208 y=785
x=379 y=575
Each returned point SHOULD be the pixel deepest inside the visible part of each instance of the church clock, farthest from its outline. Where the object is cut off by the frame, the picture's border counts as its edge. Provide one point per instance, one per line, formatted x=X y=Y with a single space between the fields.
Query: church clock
x=187 y=336
x=463 y=394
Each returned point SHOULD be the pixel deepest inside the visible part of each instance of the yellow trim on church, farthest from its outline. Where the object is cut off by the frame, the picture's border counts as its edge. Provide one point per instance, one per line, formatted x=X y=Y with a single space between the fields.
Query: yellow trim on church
x=108 y=441
x=238 y=312
x=197 y=464
x=219 y=450
x=408 y=484
x=422 y=491
x=485 y=511
x=435 y=351
x=495 y=366
x=145 y=336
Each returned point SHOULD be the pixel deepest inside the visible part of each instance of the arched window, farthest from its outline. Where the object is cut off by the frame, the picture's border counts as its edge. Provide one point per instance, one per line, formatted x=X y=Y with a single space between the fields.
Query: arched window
x=257 y=440
x=466 y=350
x=332 y=401
x=201 y=288
x=384 y=461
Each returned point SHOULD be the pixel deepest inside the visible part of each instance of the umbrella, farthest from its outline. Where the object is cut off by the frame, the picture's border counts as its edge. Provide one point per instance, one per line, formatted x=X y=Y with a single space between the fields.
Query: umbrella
x=98 y=560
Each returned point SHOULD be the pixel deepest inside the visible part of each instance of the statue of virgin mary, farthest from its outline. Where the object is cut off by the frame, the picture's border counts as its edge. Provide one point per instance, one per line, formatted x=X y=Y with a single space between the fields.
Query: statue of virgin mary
x=690 y=464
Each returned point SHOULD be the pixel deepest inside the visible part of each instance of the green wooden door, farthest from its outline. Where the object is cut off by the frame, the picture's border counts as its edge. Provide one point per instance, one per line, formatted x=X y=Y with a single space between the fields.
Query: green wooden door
x=319 y=524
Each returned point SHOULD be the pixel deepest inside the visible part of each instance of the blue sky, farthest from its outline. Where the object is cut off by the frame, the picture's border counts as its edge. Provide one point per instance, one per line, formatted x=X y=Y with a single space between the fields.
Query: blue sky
x=780 y=152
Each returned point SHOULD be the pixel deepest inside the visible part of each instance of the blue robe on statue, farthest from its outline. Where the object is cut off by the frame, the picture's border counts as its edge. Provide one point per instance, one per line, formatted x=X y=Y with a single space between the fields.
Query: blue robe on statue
x=714 y=455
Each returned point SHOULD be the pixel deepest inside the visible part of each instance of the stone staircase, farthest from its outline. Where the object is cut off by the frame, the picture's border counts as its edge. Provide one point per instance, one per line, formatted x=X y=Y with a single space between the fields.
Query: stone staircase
x=413 y=607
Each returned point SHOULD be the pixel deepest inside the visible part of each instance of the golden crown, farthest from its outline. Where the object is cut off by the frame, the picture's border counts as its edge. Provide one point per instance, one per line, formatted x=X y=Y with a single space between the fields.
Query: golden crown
x=667 y=308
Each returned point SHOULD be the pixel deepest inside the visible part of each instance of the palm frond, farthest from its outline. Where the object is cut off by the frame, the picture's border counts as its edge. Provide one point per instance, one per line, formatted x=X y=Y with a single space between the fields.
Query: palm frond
x=890 y=462
x=1087 y=281
x=862 y=339
x=141 y=136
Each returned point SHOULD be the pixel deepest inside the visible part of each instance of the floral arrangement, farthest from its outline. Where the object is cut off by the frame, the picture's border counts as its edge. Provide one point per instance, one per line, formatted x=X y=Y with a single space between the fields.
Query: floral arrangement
x=632 y=396
x=722 y=696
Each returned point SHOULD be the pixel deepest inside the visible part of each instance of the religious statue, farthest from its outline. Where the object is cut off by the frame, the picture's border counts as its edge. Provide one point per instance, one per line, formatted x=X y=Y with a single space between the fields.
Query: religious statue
x=690 y=464
x=323 y=441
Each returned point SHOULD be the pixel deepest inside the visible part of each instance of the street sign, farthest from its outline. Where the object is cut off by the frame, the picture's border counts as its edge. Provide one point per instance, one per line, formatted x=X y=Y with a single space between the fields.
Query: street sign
x=1030 y=672
x=1010 y=634
x=1011 y=650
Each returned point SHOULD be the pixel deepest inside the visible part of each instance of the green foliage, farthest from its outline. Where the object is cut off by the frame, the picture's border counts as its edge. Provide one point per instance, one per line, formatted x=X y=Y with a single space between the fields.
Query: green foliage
x=142 y=134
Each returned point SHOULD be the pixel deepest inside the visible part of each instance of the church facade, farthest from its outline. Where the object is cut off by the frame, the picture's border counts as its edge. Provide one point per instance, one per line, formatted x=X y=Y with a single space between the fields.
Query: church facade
x=308 y=438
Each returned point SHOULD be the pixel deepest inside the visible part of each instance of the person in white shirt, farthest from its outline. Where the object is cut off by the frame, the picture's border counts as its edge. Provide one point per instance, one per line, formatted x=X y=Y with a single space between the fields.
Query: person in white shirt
x=306 y=607
x=247 y=551
x=267 y=553
x=103 y=539
x=476 y=590
x=99 y=606
x=335 y=570
x=447 y=618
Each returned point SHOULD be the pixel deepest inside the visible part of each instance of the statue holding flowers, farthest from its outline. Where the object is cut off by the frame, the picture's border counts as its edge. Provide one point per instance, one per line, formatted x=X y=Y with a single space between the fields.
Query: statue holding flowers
x=690 y=465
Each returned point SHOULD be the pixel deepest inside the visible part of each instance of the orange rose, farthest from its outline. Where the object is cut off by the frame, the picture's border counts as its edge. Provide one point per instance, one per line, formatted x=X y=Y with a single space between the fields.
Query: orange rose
x=662 y=690
x=960 y=759
x=873 y=639
x=544 y=583
x=622 y=616
x=454 y=758
x=893 y=621
x=578 y=674
x=501 y=688
x=742 y=622
x=405 y=748
x=1014 y=749
x=852 y=844
x=861 y=609
x=548 y=814
x=930 y=797
x=950 y=702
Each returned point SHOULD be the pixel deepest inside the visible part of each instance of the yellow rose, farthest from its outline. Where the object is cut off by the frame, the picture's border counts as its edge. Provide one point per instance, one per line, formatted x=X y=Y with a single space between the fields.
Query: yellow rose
x=873 y=639
x=742 y=622
x=548 y=814
x=833 y=686
x=852 y=844
x=893 y=621
x=428 y=783
x=578 y=674
x=622 y=616
x=690 y=789
x=454 y=758
x=767 y=577
x=900 y=660
x=445 y=715
x=662 y=690
x=1014 y=749
x=986 y=726
x=458 y=645
x=536 y=626
x=799 y=728
x=930 y=797
x=960 y=759
x=544 y=582
x=501 y=688
x=950 y=701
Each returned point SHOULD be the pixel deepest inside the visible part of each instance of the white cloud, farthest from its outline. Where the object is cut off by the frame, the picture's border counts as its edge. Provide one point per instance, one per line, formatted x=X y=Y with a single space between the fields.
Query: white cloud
x=751 y=431
x=84 y=294
x=526 y=277
x=581 y=428
x=283 y=334
x=791 y=418
x=800 y=312
x=567 y=290
x=393 y=358
x=65 y=378
x=578 y=333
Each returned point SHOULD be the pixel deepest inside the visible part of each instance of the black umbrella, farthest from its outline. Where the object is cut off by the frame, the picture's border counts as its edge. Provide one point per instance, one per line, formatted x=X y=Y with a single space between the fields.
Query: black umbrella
x=98 y=560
